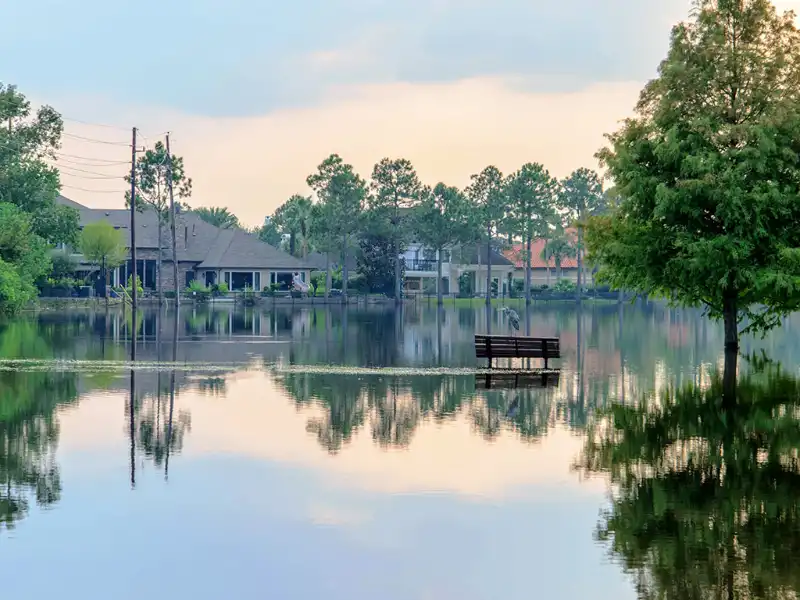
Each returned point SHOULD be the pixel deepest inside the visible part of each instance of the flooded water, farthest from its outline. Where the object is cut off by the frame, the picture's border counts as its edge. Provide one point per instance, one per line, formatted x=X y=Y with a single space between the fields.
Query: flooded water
x=303 y=453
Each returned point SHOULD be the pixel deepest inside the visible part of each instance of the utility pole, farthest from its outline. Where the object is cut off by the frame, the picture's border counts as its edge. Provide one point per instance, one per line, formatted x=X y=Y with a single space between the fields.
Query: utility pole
x=133 y=229
x=174 y=239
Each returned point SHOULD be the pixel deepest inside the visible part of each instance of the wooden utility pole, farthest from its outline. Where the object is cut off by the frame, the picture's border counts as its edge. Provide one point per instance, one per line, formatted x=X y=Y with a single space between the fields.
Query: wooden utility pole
x=174 y=238
x=133 y=227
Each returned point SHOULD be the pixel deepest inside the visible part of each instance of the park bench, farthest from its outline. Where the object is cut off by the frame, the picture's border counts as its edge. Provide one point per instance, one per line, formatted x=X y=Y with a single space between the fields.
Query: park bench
x=507 y=346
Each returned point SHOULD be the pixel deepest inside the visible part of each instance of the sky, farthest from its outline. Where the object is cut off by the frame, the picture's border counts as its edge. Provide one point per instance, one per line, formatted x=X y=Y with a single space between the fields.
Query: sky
x=257 y=93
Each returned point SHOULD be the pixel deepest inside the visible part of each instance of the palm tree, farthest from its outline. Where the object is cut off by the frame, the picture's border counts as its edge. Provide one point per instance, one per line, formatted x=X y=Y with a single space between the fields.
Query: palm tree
x=557 y=249
x=294 y=217
x=218 y=216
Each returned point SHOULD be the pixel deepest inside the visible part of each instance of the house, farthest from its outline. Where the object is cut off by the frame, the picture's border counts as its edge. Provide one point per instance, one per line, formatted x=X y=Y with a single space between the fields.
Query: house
x=206 y=253
x=542 y=272
x=465 y=263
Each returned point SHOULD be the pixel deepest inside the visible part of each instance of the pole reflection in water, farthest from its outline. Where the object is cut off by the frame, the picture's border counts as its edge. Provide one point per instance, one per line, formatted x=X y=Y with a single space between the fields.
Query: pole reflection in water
x=171 y=392
x=132 y=406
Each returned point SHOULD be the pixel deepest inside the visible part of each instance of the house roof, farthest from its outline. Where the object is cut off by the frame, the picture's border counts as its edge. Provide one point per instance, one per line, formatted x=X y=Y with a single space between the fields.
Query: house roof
x=197 y=241
x=516 y=254
x=469 y=256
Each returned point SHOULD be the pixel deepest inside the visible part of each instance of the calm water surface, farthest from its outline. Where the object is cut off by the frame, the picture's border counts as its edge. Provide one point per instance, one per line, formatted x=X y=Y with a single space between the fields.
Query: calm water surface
x=302 y=453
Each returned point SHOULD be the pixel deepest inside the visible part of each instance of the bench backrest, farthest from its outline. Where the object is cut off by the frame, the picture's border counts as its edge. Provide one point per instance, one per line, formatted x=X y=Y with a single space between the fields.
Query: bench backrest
x=501 y=346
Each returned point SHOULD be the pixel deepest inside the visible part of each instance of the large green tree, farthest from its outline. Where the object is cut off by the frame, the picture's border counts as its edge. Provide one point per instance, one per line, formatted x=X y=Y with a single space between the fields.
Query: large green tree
x=708 y=171
x=28 y=141
x=343 y=193
x=488 y=194
x=442 y=220
x=218 y=217
x=531 y=197
x=24 y=258
x=152 y=191
x=395 y=187
x=581 y=196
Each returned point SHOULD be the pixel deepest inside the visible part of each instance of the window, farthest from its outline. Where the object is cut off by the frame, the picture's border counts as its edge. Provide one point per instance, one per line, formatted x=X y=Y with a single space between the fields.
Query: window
x=257 y=280
x=228 y=279
x=189 y=278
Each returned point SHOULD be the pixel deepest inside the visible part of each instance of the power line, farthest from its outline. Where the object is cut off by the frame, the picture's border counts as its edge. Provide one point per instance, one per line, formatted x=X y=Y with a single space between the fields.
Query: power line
x=68 y=168
x=108 y=126
x=101 y=162
x=74 y=187
x=94 y=140
x=93 y=124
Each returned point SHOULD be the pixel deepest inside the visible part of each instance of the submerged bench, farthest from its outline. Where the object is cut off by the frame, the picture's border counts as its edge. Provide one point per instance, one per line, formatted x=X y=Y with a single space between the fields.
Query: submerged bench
x=507 y=346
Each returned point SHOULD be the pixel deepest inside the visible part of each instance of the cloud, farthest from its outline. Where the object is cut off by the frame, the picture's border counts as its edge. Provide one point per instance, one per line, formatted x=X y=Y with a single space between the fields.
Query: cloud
x=449 y=131
x=252 y=57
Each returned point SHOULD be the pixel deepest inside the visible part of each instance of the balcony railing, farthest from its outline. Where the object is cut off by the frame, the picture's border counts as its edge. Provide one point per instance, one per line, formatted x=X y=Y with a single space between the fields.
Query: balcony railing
x=420 y=265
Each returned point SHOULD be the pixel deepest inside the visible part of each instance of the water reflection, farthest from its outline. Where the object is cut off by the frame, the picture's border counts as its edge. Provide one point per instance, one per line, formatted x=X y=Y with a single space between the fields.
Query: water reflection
x=707 y=487
x=392 y=408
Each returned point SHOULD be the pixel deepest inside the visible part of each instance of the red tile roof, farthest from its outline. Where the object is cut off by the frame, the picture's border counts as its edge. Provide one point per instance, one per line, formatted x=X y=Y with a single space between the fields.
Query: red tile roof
x=516 y=254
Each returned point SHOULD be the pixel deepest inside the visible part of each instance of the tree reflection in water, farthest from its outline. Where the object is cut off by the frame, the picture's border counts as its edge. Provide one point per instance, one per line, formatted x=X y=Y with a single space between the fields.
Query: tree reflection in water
x=706 y=500
x=28 y=422
x=393 y=407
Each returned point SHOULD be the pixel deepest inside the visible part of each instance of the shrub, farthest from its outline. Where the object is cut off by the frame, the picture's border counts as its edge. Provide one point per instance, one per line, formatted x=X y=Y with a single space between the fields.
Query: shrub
x=565 y=285
x=139 y=287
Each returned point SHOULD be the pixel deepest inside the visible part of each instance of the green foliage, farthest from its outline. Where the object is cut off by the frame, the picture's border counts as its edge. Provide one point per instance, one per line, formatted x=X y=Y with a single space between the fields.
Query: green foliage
x=559 y=247
x=376 y=263
x=531 y=196
x=465 y=287
x=27 y=142
x=564 y=286
x=342 y=194
x=63 y=265
x=581 y=195
x=152 y=181
x=218 y=217
x=220 y=288
x=269 y=233
x=25 y=258
x=708 y=172
x=139 y=287
x=395 y=188
x=442 y=219
x=100 y=243
x=489 y=198
x=294 y=218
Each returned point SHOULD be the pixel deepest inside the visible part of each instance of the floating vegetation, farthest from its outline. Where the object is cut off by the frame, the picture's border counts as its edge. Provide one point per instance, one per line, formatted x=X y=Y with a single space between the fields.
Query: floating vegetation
x=96 y=366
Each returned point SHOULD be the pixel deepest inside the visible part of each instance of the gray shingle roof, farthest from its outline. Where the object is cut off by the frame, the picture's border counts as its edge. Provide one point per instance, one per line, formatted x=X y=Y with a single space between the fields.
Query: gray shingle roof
x=197 y=241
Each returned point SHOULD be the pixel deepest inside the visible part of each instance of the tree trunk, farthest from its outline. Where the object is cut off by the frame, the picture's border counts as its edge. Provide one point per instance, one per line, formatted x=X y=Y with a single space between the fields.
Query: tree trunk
x=488 y=267
x=730 y=315
x=328 y=277
x=528 y=270
x=397 y=282
x=345 y=275
x=579 y=287
x=439 y=300
x=292 y=243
